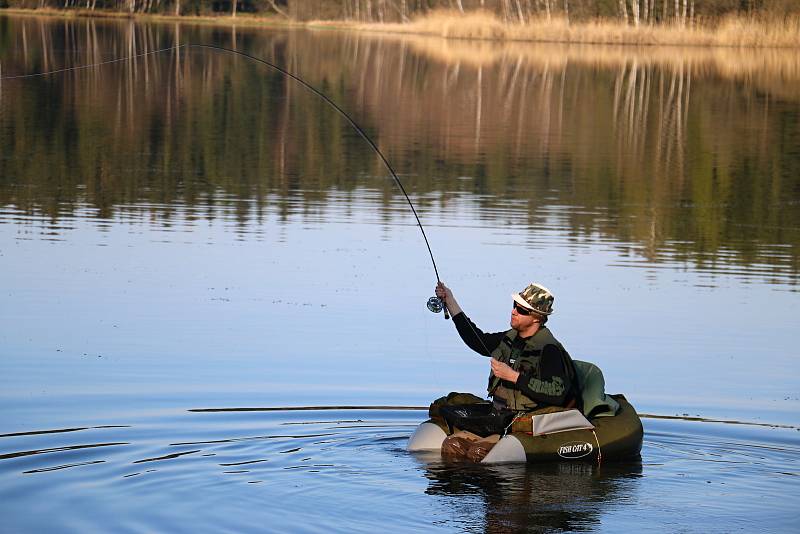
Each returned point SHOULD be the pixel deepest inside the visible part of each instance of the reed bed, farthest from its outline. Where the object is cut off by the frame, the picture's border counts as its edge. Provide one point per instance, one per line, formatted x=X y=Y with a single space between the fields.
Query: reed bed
x=483 y=25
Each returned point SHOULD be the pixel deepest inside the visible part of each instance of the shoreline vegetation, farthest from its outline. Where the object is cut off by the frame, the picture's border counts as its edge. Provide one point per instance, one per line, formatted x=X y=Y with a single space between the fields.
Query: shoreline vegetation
x=731 y=30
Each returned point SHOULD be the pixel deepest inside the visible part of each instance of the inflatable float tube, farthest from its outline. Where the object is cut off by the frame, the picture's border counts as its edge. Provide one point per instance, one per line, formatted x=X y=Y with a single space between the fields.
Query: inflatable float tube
x=613 y=438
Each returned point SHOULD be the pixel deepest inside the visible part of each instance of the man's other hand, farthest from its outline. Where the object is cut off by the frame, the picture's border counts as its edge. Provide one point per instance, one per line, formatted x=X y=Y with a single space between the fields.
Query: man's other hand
x=504 y=371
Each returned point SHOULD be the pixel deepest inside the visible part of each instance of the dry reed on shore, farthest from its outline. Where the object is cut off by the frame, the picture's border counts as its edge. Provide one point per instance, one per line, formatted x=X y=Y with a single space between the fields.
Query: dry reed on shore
x=483 y=25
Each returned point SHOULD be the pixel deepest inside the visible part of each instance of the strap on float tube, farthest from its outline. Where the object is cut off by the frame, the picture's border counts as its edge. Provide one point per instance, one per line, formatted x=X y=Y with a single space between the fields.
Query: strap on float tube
x=599 y=452
x=434 y=303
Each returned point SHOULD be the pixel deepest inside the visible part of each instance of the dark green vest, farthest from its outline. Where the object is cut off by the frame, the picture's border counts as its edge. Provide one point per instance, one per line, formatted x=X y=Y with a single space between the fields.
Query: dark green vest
x=525 y=360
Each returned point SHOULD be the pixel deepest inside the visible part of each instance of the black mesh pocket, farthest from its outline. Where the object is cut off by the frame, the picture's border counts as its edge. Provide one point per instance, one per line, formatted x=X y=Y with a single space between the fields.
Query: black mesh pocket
x=481 y=419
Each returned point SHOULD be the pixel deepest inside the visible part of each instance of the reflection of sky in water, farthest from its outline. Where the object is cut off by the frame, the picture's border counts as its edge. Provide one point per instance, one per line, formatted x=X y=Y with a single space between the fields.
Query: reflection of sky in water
x=328 y=308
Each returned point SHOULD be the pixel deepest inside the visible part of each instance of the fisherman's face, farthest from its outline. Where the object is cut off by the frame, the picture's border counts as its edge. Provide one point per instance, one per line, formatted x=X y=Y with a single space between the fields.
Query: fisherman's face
x=519 y=320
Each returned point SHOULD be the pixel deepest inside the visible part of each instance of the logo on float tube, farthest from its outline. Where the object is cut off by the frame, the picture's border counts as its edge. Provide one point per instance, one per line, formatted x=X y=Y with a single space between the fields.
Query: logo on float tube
x=575 y=449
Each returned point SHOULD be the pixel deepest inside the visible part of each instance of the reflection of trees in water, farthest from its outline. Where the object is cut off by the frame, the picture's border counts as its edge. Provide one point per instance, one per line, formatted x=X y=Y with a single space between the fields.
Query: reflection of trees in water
x=650 y=114
x=694 y=150
x=622 y=134
x=632 y=101
x=534 y=498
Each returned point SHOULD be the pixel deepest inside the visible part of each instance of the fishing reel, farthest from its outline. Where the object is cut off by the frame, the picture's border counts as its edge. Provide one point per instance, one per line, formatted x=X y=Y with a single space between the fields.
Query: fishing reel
x=436 y=305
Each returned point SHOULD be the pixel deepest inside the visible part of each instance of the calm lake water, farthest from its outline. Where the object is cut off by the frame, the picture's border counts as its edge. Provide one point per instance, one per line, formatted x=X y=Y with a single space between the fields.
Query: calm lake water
x=187 y=234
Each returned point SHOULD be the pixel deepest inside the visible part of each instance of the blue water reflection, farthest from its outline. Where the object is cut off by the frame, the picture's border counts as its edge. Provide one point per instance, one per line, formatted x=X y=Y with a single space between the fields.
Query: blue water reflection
x=128 y=308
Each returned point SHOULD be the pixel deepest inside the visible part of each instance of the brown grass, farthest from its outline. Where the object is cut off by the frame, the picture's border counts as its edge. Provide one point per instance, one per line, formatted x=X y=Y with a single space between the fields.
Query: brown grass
x=483 y=25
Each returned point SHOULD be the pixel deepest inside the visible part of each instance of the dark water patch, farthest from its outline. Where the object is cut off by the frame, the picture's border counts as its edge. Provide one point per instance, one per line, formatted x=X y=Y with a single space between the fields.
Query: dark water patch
x=57 y=449
x=306 y=408
x=250 y=438
x=58 y=431
x=37 y=432
x=171 y=456
x=59 y=467
x=687 y=417
x=245 y=462
x=323 y=422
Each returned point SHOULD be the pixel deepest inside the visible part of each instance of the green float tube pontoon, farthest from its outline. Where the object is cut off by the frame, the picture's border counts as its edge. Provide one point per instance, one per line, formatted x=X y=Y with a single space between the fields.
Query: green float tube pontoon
x=611 y=438
x=608 y=429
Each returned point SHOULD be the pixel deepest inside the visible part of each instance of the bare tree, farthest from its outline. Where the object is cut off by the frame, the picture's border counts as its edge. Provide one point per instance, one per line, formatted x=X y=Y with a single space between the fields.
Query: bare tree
x=506 y=7
x=519 y=12
x=278 y=10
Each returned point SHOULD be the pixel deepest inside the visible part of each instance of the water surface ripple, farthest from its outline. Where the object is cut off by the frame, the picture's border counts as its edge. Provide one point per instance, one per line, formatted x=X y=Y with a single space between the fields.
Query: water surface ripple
x=342 y=469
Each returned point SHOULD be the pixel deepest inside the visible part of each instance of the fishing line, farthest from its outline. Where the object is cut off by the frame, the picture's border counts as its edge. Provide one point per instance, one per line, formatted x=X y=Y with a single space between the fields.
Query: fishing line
x=434 y=304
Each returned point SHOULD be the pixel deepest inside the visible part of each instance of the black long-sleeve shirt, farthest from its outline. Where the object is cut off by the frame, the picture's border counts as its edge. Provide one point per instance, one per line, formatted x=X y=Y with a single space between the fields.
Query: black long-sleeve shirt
x=551 y=386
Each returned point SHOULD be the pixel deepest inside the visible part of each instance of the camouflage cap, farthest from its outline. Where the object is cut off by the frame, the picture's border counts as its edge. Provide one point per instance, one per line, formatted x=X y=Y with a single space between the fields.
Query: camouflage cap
x=535 y=297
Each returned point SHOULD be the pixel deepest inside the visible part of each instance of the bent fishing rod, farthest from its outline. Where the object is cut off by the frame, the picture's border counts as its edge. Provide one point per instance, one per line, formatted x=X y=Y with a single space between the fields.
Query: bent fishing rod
x=434 y=303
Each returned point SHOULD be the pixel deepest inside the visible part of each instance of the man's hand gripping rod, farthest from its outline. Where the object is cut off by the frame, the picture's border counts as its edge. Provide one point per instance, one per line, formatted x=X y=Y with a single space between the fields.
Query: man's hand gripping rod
x=437 y=303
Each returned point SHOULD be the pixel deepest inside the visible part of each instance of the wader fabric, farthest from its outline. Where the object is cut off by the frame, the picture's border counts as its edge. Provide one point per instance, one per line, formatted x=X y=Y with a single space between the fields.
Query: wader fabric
x=469 y=446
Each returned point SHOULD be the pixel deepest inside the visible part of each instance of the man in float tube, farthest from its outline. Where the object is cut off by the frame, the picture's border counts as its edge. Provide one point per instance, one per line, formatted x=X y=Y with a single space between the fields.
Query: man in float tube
x=530 y=369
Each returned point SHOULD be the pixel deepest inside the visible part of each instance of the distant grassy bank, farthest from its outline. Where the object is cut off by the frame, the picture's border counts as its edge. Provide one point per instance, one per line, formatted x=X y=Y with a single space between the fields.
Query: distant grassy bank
x=731 y=30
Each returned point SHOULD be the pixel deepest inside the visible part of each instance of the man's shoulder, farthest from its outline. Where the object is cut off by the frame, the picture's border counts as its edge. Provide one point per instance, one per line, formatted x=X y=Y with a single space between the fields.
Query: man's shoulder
x=545 y=337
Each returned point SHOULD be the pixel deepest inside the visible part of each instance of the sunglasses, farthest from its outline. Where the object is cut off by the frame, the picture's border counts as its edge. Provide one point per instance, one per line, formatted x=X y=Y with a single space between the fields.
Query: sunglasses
x=521 y=310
